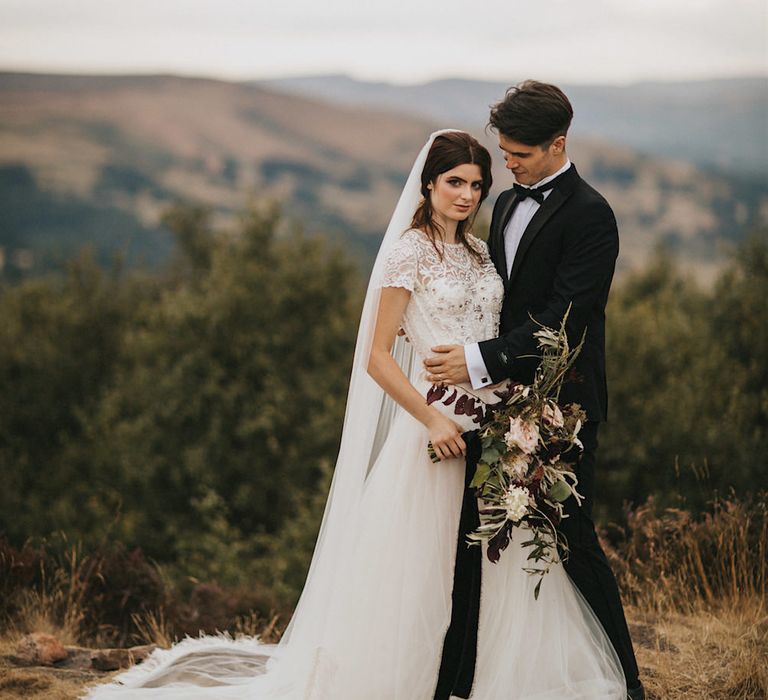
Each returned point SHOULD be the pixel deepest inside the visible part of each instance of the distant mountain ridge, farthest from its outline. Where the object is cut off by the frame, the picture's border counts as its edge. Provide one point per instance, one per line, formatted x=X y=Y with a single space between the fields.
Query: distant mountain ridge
x=721 y=123
x=96 y=160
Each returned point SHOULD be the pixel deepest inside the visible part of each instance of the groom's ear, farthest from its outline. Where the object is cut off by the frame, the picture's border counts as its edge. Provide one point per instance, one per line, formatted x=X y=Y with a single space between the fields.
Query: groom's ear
x=558 y=145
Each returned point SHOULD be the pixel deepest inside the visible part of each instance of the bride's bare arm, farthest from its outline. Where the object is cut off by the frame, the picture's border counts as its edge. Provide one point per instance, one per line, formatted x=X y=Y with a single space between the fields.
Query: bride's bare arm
x=444 y=433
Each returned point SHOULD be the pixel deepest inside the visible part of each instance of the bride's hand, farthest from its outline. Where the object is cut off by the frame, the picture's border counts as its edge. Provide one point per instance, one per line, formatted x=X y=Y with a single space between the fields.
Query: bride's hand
x=445 y=436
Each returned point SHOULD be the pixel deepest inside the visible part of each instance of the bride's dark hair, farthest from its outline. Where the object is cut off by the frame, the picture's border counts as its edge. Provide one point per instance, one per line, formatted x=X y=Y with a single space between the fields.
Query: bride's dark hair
x=448 y=151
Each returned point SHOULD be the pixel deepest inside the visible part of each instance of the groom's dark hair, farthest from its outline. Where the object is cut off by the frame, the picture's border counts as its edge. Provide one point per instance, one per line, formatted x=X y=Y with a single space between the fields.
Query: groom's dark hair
x=533 y=113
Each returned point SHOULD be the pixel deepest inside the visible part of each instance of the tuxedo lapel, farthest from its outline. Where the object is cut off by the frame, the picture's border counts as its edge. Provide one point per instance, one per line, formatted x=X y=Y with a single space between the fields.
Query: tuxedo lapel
x=500 y=259
x=548 y=207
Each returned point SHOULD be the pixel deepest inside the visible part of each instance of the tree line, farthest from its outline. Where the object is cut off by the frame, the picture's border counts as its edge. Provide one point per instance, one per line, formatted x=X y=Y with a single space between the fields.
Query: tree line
x=196 y=412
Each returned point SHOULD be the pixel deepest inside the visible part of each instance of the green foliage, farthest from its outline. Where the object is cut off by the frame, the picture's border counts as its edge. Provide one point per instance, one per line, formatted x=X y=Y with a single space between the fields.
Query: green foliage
x=688 y=384
x=196 y=412
x=283 y=567
x=58 y=343
x=229 y=397
x=193 y=421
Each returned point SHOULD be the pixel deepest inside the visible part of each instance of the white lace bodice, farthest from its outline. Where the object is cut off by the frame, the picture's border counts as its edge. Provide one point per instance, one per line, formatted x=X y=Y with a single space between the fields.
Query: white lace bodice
x=454 y=300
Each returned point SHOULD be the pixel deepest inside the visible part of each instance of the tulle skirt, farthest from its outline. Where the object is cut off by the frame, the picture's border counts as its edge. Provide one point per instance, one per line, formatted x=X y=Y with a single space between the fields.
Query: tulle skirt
x=382 y=626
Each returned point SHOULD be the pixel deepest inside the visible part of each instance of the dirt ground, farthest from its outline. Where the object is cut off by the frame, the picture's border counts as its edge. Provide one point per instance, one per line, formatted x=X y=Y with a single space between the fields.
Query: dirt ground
x=701 y=657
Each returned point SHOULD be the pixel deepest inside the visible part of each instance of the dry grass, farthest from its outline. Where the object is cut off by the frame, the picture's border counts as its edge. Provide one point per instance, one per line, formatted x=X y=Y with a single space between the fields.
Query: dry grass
x=673 y=561
x=706 y=654
x=56 y=605
x=695 y=590
x=153 y=628
x=40 y=683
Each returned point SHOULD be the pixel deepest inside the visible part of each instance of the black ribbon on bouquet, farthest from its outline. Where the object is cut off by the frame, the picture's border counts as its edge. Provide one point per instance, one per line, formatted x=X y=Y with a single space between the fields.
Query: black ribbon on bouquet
x=457 y=665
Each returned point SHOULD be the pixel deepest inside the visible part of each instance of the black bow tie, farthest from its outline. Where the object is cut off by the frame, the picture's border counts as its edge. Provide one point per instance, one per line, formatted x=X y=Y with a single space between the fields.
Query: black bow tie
x=536 y=193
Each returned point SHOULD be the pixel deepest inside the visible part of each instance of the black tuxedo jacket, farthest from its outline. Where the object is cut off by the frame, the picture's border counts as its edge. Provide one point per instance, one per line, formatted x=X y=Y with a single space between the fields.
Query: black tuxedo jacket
x=567 y=255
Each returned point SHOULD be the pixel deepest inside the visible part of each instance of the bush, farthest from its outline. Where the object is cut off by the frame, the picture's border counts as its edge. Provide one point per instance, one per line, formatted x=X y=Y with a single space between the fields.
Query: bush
x=190 y=414
x=115 y=596
x=669 y=559
x=688 y=385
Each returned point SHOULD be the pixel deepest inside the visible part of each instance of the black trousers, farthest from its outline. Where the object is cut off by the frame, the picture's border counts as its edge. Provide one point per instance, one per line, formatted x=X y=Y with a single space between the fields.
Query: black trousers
x=457 y=664
x=587 y=564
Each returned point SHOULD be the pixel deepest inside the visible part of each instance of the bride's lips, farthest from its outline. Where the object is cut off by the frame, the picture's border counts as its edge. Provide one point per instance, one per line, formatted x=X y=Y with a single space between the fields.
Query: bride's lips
x=463 y=207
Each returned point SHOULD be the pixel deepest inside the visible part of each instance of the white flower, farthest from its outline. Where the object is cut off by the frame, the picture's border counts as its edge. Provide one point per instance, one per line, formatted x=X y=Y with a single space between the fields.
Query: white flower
x=576 y=440
x=516 y=502
x=522 y=434
x=516 y=465
x=552 y=415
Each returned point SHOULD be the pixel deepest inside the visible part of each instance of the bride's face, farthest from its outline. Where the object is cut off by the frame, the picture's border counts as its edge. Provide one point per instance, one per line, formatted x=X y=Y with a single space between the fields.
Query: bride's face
x=454 y=194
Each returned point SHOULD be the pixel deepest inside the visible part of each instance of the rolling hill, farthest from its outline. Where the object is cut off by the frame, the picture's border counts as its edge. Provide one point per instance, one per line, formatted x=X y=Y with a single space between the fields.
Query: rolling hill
x=713 y=123
x=95 y=160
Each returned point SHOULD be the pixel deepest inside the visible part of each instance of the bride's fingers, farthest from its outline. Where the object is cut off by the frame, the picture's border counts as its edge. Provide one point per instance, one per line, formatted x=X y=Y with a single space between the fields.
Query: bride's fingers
x=451 y=448
x=448 y=450
x=458 y=447
x=452 y=445
x=458 y=443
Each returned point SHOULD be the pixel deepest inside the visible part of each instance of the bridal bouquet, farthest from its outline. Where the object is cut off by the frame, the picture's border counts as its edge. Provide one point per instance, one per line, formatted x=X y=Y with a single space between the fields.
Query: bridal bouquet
x=522 y=478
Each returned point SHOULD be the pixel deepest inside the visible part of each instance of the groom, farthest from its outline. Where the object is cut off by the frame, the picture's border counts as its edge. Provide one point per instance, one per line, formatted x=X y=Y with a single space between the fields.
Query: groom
x=554 y=241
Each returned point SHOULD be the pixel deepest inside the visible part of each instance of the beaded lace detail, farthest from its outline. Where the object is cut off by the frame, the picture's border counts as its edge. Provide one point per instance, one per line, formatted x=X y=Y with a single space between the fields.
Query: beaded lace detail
x=454 y=300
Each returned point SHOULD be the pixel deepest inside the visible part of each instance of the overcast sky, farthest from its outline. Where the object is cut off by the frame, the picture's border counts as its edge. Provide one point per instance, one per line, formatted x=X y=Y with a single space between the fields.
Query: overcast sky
x=578 y=41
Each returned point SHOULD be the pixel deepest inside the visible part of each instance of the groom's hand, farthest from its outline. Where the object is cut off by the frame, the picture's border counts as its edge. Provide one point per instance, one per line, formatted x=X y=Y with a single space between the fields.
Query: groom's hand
x=447 y=367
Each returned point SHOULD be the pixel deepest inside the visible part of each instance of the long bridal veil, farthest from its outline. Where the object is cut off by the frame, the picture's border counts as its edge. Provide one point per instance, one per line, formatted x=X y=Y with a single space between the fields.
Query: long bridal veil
x=219 y=667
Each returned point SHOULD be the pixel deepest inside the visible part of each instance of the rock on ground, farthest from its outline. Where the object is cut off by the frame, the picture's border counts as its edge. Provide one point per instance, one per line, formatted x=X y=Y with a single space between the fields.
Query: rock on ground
x=39 y=649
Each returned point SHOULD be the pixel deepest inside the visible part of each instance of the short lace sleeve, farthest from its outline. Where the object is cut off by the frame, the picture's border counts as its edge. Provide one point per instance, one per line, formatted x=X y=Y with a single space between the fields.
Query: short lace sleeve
x=401 y=265
x=479 y=245
x=482 y=247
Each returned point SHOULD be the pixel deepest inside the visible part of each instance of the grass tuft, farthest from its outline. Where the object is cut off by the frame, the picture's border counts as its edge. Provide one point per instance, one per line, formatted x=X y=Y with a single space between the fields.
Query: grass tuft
x=694 y=588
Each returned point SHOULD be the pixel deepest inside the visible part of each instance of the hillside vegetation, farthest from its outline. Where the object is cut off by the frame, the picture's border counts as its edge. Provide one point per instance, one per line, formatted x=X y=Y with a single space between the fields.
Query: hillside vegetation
x=167 y=440
x=196 y=412
x=96 y=160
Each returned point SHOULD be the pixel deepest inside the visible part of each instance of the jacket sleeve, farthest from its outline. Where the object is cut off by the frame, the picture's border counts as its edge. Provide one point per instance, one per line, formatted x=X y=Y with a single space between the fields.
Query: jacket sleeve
x=590 y=248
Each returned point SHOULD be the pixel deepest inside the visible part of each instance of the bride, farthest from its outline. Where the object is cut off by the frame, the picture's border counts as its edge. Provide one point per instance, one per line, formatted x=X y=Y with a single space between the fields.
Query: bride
x=374 y=611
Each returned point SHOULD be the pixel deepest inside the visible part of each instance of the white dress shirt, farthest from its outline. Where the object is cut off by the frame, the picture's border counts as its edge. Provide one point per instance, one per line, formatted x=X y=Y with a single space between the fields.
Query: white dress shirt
x=518 y=222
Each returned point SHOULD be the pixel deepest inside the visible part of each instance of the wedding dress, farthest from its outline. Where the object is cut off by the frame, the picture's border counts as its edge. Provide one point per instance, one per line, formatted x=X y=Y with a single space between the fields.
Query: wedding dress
x=372 y=617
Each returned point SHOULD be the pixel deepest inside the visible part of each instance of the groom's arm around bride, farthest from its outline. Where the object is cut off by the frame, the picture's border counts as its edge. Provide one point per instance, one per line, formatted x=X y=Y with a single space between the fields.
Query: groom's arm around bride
x=565 y=260
x=554 y=241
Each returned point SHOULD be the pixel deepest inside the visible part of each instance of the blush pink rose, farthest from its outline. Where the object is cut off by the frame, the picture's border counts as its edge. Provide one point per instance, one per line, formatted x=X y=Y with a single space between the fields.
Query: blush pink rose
x=516 y=465
x=552 y=415
x=523 y=435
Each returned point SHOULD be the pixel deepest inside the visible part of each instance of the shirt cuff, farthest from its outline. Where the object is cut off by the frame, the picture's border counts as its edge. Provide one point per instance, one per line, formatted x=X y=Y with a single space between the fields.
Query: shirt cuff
x=478 y=374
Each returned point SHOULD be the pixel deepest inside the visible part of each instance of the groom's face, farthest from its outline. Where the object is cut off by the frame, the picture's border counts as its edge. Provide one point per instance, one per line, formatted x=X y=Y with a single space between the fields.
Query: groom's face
x=529 y=164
